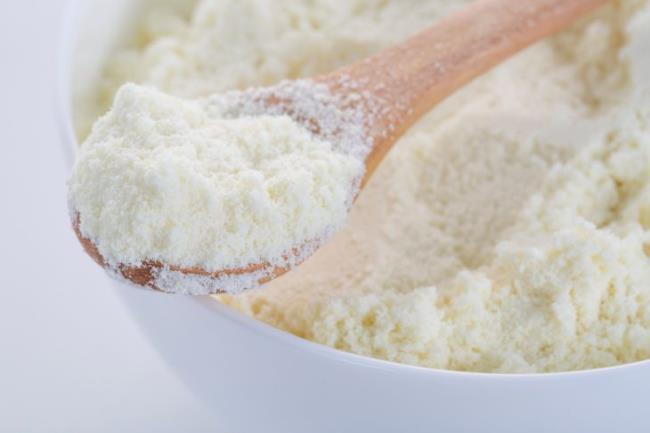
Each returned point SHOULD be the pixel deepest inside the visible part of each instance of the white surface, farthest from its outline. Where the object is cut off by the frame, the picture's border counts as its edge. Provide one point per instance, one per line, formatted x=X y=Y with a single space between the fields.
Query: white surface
x=71 y=359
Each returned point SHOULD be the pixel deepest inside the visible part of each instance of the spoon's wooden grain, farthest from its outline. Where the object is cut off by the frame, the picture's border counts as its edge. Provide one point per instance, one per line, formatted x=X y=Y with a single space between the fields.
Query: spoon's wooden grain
x=412 y=77
x=409 y=79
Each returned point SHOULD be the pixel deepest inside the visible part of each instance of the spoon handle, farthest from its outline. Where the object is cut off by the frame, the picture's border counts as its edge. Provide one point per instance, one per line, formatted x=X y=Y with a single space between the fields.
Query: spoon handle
x=411 y=77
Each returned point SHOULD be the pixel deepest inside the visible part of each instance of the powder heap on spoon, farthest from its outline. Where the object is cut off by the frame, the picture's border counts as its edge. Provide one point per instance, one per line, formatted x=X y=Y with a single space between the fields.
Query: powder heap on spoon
x=216 y=194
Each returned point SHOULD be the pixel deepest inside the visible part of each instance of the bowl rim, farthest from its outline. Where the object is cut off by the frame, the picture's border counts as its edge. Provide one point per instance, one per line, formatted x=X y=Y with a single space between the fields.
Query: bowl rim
x=67 y=36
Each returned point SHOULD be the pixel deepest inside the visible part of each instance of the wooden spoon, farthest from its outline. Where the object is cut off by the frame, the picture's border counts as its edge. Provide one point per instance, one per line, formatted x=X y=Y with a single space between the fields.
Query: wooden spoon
x=404 y=82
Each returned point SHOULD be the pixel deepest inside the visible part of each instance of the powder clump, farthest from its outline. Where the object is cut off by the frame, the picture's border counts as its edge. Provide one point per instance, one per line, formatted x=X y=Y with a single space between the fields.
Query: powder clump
x=192 y=184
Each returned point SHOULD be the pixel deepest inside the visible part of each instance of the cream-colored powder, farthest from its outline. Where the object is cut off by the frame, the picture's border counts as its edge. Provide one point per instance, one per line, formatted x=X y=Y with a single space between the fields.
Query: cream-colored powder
x=166 y=179
x=509 y=231
x=234 y=44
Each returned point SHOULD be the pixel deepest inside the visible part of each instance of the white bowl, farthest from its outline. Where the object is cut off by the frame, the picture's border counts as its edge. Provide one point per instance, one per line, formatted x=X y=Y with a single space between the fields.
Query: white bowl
x=259 y=379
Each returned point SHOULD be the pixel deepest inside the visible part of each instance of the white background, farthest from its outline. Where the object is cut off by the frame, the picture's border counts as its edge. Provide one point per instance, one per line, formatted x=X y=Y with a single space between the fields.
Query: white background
x=71 y=359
